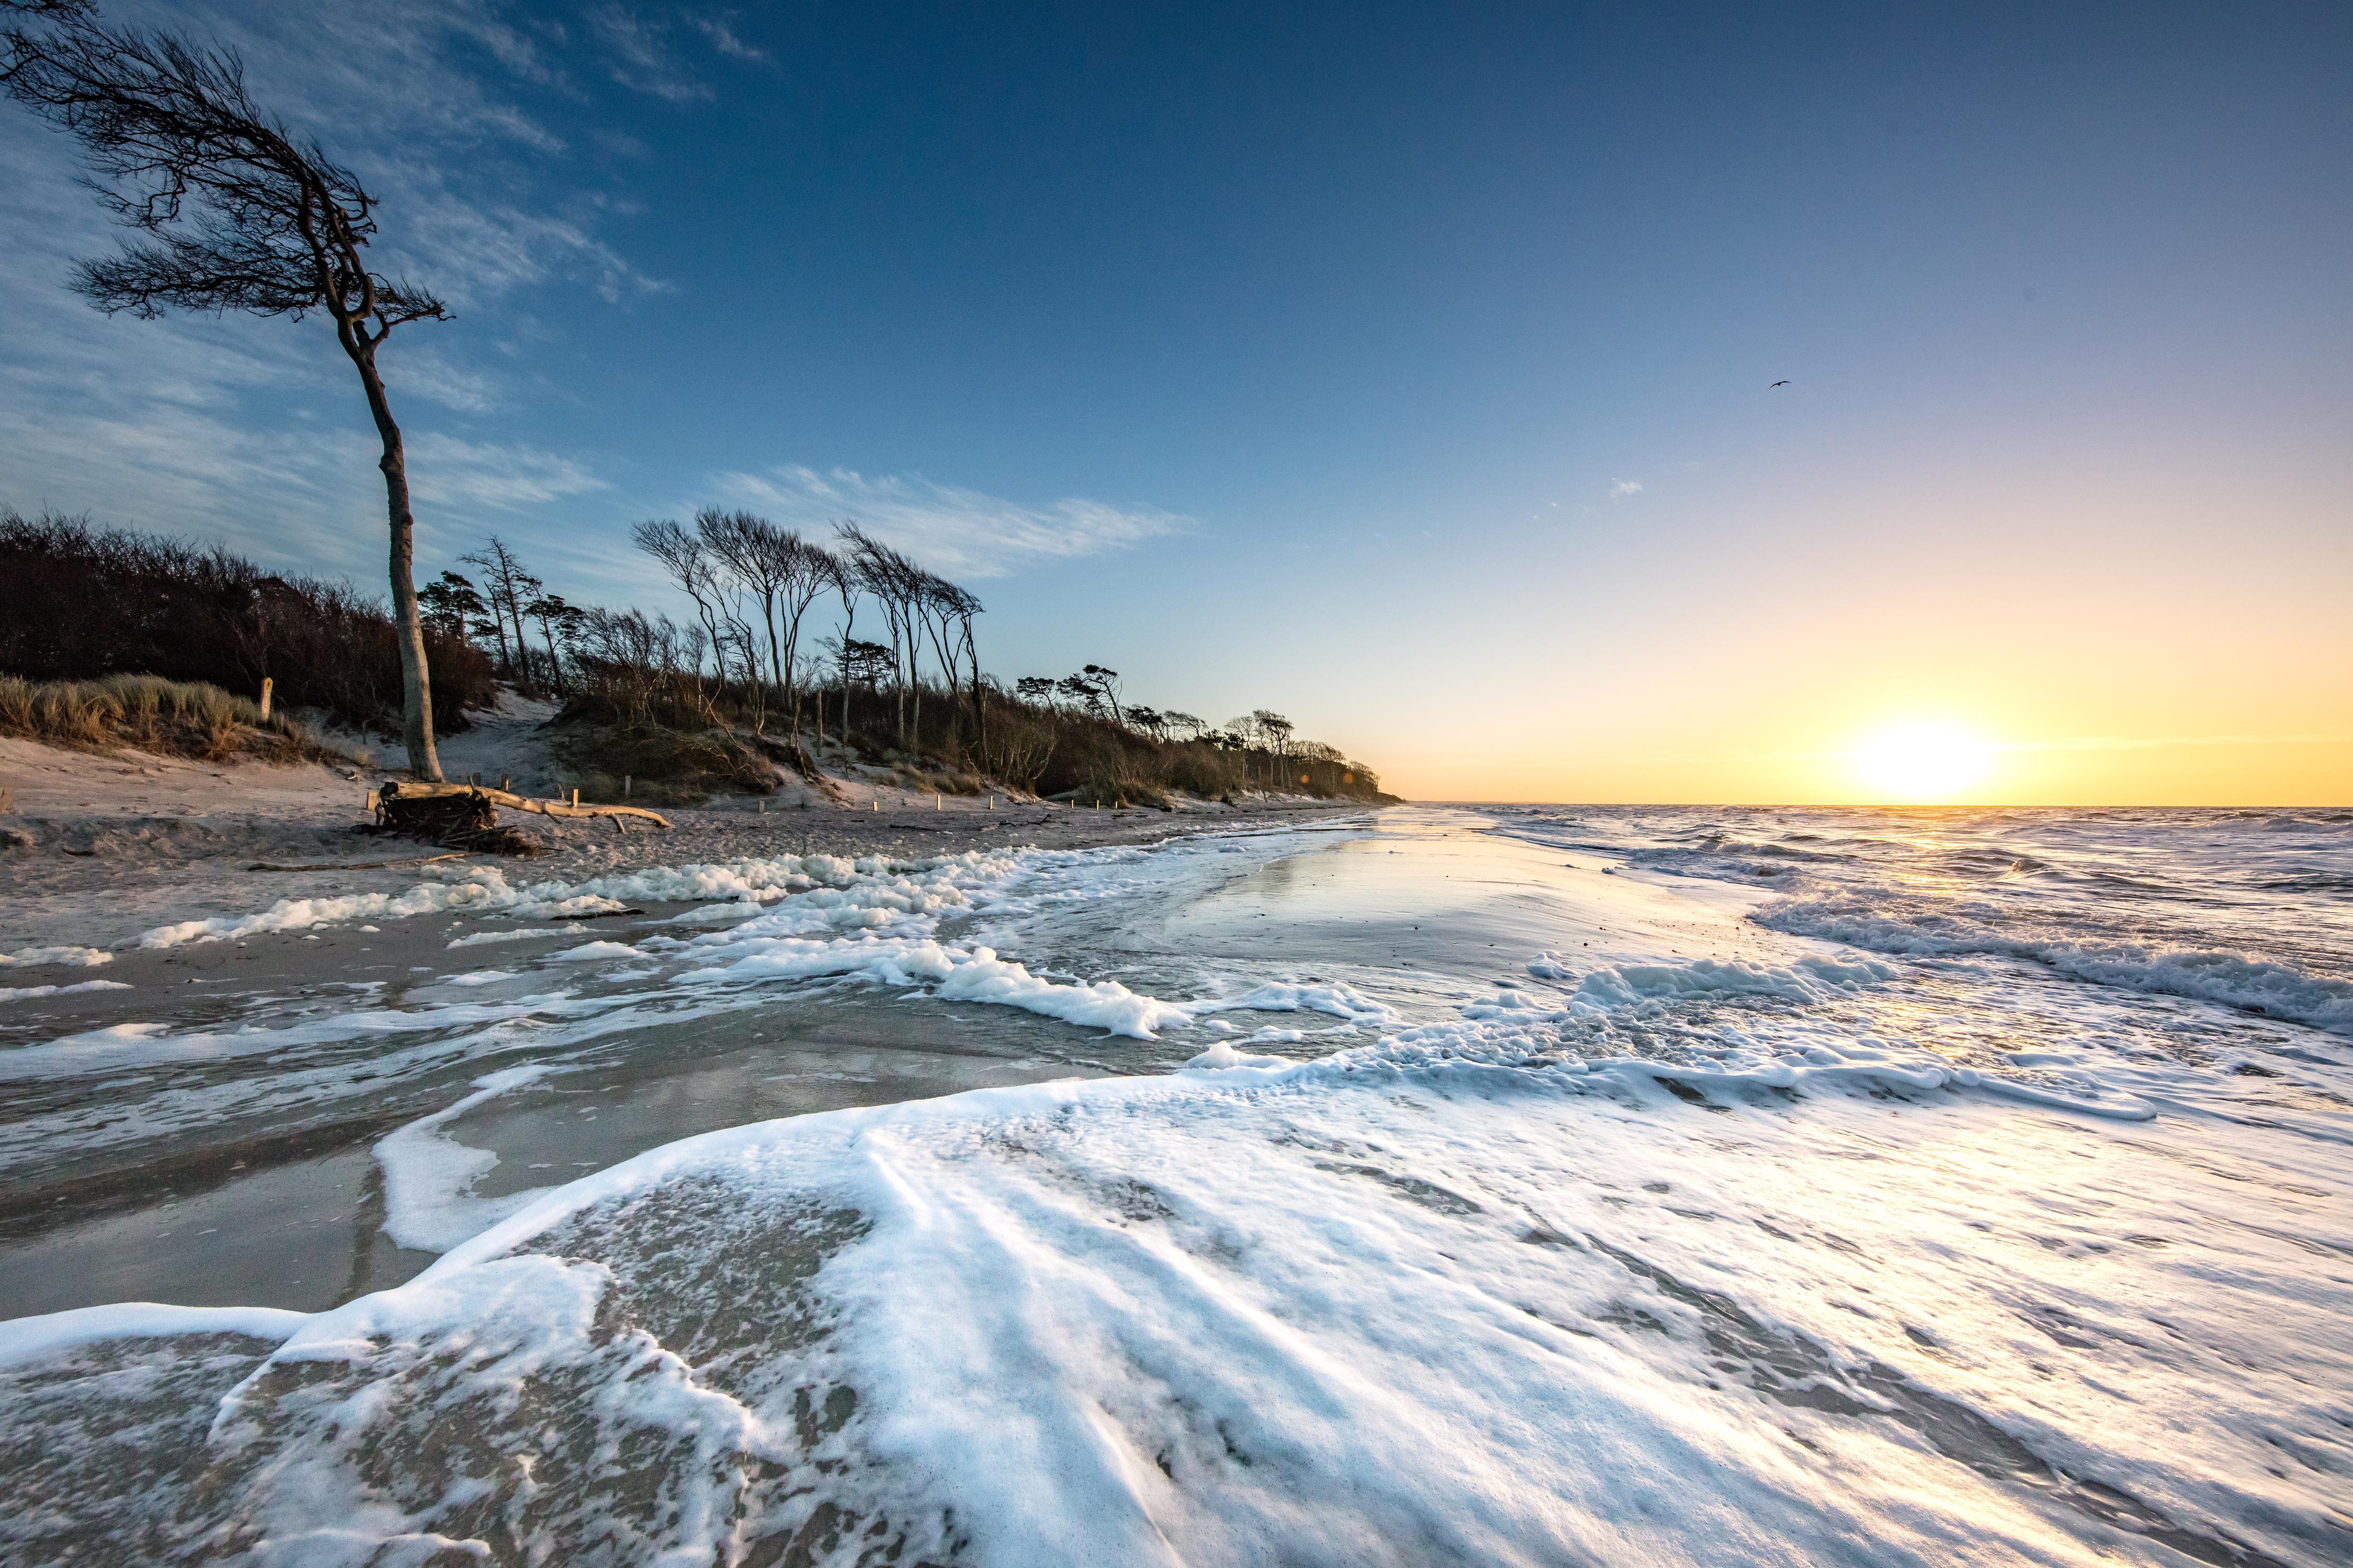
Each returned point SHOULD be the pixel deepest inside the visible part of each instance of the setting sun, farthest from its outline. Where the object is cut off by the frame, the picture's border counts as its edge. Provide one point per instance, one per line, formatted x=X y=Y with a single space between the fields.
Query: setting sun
x=1922 y=762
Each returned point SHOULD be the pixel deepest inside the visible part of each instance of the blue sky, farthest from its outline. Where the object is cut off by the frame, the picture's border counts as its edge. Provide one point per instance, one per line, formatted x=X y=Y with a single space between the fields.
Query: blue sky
x=1402 y=368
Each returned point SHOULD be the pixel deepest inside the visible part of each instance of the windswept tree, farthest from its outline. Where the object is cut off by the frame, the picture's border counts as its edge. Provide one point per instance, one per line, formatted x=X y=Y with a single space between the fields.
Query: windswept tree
x=453 y=603
x=745 y=545
x=684 y=556
x=508 y=587
x=239 y=213
x=558 y=622
x=898 y=585
x=785 y=570
x=841 y=576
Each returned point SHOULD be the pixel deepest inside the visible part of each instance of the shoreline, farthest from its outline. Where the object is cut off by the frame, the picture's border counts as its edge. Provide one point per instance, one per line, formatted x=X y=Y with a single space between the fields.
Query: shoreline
x=102 y=847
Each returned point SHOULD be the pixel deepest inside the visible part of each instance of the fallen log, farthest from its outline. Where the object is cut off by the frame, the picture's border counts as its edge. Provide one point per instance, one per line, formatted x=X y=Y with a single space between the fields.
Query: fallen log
x=418 y=792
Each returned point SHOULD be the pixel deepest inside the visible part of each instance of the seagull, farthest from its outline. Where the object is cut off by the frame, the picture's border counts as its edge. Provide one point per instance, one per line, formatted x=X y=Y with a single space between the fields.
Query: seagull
x=1777 y=384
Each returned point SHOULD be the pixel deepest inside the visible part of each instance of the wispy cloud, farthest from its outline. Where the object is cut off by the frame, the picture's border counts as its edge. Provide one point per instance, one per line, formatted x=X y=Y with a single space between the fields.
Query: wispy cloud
x=639 y=57
x=445 y=469
x=947 y=527
x=1621 y=488
x=723 y=37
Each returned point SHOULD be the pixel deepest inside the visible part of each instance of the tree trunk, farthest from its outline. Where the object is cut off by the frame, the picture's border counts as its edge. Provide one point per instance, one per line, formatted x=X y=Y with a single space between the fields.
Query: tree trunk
x=979 y=713
x=498 y=627
x=416 y=677
x=777 y=659
x=522 y=647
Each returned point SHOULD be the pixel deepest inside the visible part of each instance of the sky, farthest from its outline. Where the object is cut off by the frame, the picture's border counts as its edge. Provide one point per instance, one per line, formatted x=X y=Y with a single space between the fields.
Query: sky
x=1405 y=369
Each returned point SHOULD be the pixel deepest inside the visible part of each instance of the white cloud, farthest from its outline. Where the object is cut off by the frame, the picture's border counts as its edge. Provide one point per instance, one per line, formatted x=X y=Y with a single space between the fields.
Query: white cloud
x=445 y=469
x=639 y=56
x=1624 y=488
x=951 y=529
x=724 y=38
x=424 y=370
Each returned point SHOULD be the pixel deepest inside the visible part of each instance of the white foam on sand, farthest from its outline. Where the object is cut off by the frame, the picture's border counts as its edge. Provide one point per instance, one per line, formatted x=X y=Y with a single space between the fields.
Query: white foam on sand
x=860 y=892
x=486 y=937
x=20 y=993
x=956 y=973
x=429 y=1178
x=1391 y=1307
x=29 y=1340
x=82 y=957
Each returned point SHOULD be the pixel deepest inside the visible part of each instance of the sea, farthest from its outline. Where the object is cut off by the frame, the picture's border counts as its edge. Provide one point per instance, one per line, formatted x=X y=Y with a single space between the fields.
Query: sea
x=1527 y=1184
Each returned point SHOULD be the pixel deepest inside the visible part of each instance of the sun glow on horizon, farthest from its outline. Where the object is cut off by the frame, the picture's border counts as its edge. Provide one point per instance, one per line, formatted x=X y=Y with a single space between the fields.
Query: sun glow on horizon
x=1922 y=762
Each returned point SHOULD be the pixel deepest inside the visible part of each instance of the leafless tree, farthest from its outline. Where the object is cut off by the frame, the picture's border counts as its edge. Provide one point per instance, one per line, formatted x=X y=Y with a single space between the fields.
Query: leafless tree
x=896 y=584
x=805 y=571
x=682 y=555
x=508 y=586
x=947 y=611
x=741 y=542
x=784 y=570
x=240 y=214
x=967 y=606
x=843 y=579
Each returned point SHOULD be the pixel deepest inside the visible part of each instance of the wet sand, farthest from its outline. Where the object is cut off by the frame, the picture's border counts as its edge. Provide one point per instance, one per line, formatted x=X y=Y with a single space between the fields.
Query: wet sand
x=276 y=1196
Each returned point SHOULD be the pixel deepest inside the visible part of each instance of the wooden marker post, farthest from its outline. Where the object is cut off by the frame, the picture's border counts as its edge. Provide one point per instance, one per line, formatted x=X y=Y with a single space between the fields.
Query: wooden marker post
x=265 y=684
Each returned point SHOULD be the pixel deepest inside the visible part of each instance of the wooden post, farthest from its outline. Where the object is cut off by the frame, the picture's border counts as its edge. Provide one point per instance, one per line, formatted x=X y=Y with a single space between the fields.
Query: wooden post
x=576 y=795
x=506 y=782
x=936 y=803
x=265 y=684
x=625 y=787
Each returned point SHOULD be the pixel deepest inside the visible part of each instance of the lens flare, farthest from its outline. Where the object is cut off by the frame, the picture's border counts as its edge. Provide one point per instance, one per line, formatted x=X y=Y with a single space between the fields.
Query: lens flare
x=1922 y=762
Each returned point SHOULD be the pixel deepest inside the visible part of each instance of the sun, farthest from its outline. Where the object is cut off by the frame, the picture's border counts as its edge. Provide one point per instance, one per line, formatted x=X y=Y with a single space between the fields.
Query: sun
x=1922 y=762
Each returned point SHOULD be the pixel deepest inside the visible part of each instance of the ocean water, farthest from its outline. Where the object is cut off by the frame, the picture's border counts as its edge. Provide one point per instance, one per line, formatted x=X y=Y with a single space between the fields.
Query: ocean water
x=1511 y=1186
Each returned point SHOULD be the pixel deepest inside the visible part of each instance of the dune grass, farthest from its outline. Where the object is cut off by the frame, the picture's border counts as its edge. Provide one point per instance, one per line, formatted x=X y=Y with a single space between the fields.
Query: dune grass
x=172 y=718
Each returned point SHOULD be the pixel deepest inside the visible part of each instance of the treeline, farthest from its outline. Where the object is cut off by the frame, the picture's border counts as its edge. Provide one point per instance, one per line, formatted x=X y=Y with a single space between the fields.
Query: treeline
x=772 y=664
x=78 y=603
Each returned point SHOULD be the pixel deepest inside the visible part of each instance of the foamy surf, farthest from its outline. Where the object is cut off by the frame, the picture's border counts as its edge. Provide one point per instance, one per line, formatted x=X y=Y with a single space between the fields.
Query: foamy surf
x=1675 y=1238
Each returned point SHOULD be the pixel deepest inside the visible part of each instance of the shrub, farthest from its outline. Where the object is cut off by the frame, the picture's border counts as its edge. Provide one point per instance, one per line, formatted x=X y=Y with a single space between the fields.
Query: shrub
x=78 y=604
x=661 y=766
x=176 y=718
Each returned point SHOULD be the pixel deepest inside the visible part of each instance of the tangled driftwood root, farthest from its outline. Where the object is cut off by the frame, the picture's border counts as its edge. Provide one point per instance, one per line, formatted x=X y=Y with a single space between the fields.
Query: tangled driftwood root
x=465 y=816
x=468 y=822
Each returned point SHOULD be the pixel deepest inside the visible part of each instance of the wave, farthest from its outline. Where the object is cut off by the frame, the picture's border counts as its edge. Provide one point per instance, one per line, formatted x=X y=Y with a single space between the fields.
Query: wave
x=1392 y=1307
x=2251 y=985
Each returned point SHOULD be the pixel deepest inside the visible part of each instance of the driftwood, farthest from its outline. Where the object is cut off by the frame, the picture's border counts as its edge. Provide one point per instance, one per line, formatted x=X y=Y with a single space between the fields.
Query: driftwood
x=465 y=816
x=464 y=820
x=397 y=791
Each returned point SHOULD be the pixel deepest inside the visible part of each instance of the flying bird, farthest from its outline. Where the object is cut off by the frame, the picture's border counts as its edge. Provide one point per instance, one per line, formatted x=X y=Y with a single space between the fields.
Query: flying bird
x=1777 y=384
